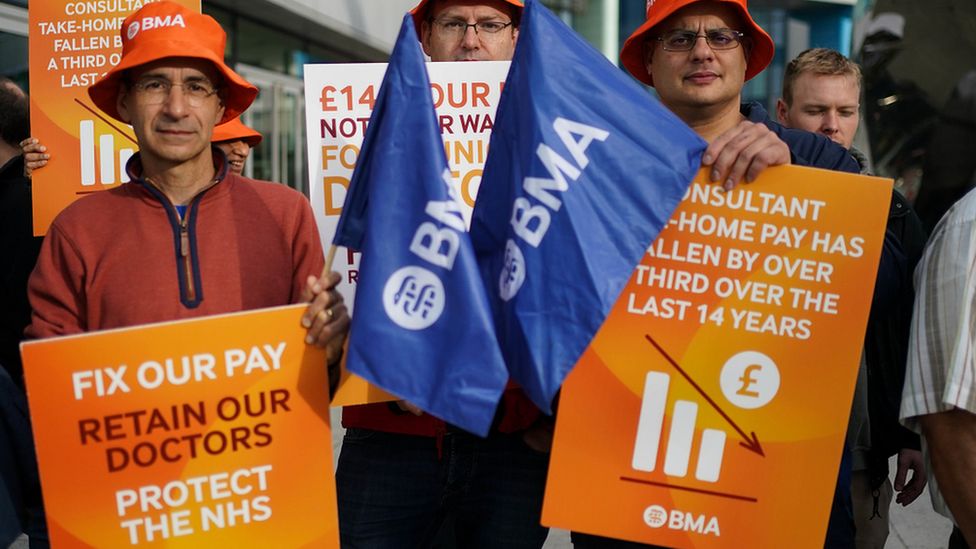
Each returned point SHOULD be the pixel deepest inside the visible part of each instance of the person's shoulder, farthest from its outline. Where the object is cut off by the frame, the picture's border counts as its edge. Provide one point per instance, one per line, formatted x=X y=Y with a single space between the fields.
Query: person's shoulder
x=271 y=194
x=755 y=112
x=806 y=148
x=862 y=160
x=955 y=234
x=100 y=205
x=818 y=151
x=963 y=212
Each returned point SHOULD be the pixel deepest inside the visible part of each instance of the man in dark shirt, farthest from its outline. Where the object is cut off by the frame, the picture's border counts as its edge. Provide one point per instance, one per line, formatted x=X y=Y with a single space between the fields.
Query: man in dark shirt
x=18 y=246
x=21 y=509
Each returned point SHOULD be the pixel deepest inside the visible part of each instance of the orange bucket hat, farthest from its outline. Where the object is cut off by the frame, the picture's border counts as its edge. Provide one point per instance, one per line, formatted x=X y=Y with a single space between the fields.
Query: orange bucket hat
x=420 y=12
x=632 y=54
x=166 y=29
x=234 y=130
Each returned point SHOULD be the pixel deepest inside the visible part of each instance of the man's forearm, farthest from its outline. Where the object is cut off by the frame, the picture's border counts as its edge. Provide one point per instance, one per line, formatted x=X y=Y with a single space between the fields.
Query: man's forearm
x=951 y=439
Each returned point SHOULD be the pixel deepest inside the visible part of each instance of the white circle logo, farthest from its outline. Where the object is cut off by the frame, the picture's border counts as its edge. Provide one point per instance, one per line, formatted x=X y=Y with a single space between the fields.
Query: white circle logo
x=655 y=516
x=132 y=30
x=413 y=298
x=513 y=271
x=749 y=380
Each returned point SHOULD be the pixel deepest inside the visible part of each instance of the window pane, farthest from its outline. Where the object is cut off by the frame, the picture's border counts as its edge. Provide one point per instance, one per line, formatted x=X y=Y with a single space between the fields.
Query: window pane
x=259 y=117
x=267 y=48
x=13 y=62
x=226 y=20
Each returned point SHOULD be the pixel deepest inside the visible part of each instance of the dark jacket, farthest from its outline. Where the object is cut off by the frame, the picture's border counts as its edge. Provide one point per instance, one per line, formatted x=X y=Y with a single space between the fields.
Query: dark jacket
x=886 y=338
x=18 y=250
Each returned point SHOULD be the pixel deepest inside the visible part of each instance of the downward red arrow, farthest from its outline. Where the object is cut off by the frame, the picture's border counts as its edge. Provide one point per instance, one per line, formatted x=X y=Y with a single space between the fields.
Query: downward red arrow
x=750 y=442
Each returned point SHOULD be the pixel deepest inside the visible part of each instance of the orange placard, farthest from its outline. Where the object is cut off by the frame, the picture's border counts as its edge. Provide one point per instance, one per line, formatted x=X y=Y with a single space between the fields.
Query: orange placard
x=212 y=432
x=354 y=390
x=710 y=409
x=71 y=45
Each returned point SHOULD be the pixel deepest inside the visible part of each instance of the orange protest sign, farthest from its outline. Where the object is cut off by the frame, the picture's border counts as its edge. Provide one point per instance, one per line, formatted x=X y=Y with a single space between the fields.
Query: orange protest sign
x=355 y=390
x=71 y=45
x=465 y=98
x=205 y=432
x=710 y=409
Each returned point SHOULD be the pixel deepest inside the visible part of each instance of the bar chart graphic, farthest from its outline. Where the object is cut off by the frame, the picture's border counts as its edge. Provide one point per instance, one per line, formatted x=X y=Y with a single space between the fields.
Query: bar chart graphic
x=108 y=170
x=680 y=439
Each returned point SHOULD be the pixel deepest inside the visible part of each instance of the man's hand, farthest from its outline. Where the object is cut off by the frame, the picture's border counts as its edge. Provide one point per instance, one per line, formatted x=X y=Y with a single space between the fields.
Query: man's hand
x=35 y=155
x=326 y=317
x=909 y=460
x=743 y=152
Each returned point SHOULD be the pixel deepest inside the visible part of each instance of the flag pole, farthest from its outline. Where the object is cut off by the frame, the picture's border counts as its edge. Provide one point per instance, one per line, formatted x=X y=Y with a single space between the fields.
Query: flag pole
x=328 y=261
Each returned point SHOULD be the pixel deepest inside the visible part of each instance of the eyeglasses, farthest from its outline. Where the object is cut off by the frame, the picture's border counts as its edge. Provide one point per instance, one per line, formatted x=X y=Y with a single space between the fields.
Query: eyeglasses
x=684 y=40
x=455 y=29
x=153 y=91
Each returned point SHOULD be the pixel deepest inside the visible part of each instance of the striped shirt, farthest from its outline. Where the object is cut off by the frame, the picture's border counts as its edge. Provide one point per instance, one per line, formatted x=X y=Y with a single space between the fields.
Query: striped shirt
x=941 y=370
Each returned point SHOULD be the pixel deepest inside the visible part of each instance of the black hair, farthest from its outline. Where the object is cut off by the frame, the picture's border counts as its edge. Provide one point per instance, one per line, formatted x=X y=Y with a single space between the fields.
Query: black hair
x=14 y=119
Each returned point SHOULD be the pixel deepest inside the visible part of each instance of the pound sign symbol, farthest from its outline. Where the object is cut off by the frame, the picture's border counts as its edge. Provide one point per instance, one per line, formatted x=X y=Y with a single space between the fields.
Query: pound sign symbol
x=747 y=381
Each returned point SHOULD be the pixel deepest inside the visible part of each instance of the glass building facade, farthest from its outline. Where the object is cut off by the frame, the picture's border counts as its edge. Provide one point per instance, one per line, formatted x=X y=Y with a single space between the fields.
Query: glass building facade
x=915 y=60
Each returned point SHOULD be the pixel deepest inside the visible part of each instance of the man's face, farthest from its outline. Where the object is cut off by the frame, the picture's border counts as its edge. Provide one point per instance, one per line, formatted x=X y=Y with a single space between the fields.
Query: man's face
x=825 y=104
x=236 y=152
x=443 y=45
x=173 y=127
x=702 y=77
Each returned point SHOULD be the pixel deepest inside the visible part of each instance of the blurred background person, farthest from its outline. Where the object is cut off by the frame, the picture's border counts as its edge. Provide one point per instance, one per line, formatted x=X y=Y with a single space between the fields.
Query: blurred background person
x=236 y=140
x=821 y=94
x=21 y=507
x=939 y=399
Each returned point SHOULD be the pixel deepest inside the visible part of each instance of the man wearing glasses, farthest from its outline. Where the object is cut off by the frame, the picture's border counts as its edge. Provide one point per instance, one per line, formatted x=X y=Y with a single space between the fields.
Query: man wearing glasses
x=465 y=30
x=407 y=479
x=186 y=237
x=697 y=54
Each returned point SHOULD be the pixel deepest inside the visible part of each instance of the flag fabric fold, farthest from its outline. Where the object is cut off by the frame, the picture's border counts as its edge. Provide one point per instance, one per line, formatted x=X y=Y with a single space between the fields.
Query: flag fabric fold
x=422 y=328
x=584 y=170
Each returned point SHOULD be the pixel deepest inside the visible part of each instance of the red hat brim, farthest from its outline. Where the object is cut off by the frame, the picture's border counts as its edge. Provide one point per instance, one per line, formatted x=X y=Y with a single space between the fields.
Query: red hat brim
x=234 y=130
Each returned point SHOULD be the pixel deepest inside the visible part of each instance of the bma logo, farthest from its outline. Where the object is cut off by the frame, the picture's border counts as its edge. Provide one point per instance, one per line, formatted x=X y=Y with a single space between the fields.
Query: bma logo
x=513 y=271
x=156 y=22
x=656 y=516
x=413 y=298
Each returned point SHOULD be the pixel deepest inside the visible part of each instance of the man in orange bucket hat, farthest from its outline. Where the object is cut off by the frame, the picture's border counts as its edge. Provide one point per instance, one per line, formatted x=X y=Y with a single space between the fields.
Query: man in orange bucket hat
x=697 y=54
x=186 y=237
x=236 y=140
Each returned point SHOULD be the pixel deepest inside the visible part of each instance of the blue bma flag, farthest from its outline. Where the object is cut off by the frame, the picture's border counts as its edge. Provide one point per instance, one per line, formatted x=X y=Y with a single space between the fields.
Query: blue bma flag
x=422 y=327
x=584 y=170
